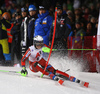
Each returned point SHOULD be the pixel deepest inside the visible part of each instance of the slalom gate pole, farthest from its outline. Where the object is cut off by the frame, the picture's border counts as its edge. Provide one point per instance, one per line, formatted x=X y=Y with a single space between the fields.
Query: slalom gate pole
x=47 y=50
x=74 y=49
x=52 y=41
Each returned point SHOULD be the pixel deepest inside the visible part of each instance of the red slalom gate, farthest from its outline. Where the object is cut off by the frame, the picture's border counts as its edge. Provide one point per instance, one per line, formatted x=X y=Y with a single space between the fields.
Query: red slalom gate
x=52 y=41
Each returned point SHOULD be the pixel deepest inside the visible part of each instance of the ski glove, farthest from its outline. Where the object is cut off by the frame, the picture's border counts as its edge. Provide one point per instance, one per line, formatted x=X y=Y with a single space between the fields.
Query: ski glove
x=24 y=72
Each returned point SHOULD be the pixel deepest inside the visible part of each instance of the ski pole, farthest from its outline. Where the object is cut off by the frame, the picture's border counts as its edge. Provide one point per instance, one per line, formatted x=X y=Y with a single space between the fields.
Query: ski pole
x=13 y=72
x=67 y=70
x=10 y=71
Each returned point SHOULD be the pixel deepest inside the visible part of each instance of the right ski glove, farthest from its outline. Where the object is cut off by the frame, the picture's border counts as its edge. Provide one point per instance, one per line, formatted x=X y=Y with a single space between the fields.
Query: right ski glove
x=24 y=72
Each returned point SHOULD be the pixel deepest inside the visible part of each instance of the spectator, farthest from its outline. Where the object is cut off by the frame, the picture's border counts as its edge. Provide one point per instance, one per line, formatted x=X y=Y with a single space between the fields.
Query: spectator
x=83 y=9
x=65 y=9
x=77 y=12
x=24 y=12
x=78 y=16
x=7 y=16
x=31 y=21
x=69 y=5
x=13 y=18
x=63 y=28
x=72 y=22
x=70 y=13
x=89 y=30
x=76 y=4
x=3 y=39
x=79 y=31
x=24 y=24
x=86 y=14
x=1 y=56
x=27 y=5
x=93 y=21
x=89 y=18
x=51 y=11
x=12 y=7
x=43 y=24
x=15 y=31
x=27 y=28
x=20 y=2
x=93 y=11
x=78 y=36
x=98 y=7
x=18 y=9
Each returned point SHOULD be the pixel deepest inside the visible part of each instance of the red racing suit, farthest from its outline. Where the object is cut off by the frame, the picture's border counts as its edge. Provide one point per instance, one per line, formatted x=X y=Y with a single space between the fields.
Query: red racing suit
x=37 y=62
x=36 y=57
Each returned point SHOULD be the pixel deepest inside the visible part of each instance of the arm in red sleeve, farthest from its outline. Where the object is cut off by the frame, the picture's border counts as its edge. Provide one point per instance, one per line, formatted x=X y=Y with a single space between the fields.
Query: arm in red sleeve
x=25 y=57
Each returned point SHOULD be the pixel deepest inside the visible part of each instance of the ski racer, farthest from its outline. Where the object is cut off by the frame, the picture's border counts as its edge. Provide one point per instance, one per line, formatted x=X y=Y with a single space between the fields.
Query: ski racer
x=38 y=59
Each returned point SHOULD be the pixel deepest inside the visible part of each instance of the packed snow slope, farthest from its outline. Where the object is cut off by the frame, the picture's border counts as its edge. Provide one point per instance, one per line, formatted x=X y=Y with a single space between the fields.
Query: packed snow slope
x=13 y=83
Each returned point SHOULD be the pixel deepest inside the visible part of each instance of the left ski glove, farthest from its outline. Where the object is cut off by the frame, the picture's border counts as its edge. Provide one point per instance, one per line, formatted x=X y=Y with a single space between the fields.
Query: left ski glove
x=24 y=72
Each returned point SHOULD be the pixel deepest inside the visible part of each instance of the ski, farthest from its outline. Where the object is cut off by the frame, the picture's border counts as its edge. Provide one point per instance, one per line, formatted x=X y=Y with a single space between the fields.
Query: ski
x=71 y=78
x=82 y=83
x=60 y=81
x=62 y=76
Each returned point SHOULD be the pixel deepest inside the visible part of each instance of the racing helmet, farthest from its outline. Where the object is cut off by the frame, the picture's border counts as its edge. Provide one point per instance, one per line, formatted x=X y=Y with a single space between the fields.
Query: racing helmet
x=38 y=40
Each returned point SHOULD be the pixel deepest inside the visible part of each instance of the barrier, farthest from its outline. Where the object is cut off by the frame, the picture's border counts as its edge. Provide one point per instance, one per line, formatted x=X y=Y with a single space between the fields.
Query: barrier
x=92 y=57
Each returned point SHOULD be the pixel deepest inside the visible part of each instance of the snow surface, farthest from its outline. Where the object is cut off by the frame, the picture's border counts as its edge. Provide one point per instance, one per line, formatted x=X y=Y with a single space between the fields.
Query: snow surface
x=14 y=83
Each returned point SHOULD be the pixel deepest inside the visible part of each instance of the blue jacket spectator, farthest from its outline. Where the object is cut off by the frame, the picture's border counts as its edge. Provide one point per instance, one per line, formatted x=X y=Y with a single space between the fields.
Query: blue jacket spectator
x=43 y=24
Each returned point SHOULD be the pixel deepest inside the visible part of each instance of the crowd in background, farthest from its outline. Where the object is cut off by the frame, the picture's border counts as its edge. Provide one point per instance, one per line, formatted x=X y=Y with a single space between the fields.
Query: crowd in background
x=77 y=18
